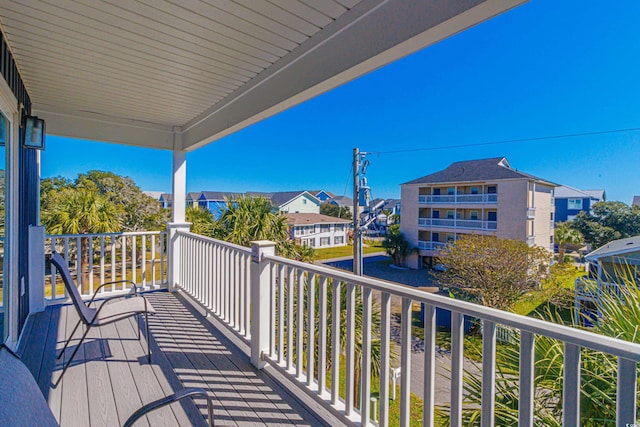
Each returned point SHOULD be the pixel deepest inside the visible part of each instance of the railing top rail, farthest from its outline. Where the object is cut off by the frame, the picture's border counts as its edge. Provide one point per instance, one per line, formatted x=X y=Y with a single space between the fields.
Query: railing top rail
x=124 y=233
x=215 y=241
x=579 y=337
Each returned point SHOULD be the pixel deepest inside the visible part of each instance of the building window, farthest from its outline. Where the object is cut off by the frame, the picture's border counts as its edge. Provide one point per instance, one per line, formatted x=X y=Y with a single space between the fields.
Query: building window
x=450 y=238
x=473 y=215
x=492 y=216
x=339 y=227
x=324 y=241
x=435 y=237
x=474 y=190
x=311 y=242
x=338 y=240
x=451 y=191
x=574 y=204
x=325 y=228
x=492 y=189
x=551 y=216
x=304 y=201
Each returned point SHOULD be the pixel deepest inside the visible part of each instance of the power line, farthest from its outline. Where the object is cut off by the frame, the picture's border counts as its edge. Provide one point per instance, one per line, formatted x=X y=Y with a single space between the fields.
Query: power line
x=507 y=141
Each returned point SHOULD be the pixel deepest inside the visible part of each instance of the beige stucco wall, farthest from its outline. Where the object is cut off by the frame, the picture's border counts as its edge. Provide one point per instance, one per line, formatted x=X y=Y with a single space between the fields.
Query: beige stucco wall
x=542 y=222
x=512 y=209
x=409 y=219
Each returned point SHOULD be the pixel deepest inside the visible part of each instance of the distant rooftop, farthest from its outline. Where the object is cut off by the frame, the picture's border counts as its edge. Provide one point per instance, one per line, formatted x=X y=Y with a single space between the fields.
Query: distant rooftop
x=495 y=168
x=636 y=201
x=219 y=195
x=565 y=191
x=312 y=218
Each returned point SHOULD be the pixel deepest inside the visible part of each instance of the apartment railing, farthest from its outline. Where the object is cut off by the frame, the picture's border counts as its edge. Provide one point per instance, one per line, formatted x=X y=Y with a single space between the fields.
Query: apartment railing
x=472 y=224
x=531 y=213
x=140 y=257
x=295 y=313
x=531 y=240
x=593 y=288
x=430 y=246
x=458 y=198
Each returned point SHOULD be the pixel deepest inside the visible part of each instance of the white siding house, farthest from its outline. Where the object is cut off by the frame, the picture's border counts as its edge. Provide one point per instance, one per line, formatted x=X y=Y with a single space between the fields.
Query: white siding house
x=318 y=231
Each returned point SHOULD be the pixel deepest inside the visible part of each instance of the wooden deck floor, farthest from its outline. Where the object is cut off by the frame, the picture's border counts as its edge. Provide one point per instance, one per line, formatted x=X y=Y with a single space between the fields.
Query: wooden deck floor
x=110 y=378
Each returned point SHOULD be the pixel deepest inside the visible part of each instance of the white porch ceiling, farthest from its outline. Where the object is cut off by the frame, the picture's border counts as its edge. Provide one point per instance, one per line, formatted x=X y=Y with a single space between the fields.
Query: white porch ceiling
x=178 y=74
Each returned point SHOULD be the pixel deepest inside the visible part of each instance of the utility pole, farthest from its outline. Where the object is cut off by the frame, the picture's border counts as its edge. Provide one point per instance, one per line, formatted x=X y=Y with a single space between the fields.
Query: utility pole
x=357 y=236
x=361 y=194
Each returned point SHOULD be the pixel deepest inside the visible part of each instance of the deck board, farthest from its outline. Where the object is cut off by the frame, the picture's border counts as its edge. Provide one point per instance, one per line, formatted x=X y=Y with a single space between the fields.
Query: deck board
x=110 y=377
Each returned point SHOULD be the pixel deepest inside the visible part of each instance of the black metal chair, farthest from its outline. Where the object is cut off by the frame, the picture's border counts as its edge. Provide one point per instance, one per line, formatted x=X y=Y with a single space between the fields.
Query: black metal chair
x=105 y=313
x=23 y=405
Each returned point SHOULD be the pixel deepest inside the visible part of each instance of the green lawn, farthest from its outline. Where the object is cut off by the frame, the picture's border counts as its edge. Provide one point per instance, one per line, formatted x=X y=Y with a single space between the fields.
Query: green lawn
x=340 y=251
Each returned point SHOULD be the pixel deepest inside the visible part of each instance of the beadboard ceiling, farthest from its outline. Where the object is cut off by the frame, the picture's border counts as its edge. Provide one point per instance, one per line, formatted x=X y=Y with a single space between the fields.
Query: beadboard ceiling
x=178 y=74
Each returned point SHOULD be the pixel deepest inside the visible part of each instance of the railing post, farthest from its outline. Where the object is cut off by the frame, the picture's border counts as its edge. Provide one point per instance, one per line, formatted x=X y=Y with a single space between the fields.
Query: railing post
x=173 y=253
x=260 y=300
x=36 y=269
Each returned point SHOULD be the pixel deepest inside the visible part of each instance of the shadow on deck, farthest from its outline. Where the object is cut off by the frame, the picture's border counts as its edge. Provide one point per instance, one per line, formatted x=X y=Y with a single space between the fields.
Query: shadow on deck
x=110 y=377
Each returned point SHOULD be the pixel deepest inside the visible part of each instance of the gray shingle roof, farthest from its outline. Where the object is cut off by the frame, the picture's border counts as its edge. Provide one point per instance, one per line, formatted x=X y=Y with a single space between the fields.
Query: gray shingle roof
x=492 y=169
x=617 y=247
x=636 y=201
x=220 y=195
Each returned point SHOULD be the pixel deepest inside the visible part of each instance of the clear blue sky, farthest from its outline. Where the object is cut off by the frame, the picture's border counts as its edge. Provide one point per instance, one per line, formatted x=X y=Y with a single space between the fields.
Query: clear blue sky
x=546 y=68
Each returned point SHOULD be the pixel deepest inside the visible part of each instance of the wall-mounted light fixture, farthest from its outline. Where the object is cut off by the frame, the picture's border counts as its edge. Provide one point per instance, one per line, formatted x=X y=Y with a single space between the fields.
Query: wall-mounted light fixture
x=34 y=131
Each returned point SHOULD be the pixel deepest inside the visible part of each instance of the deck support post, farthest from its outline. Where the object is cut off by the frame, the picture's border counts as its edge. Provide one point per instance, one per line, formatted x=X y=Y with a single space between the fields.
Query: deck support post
x=260 y=300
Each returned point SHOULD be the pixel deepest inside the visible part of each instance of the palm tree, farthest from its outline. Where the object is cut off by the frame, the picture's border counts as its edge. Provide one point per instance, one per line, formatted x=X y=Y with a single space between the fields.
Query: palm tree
x=201 y=220
x=566 y=235
x=81 y=211
x=396 y=245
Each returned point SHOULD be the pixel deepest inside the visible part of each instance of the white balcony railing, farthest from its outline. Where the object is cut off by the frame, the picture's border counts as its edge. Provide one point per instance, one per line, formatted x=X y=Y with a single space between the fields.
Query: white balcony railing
x=472 y=224
x=99 y=258
x=458 y=199
x=291 y=313
x=531 y=240
x=531 y=213
x=430 y=246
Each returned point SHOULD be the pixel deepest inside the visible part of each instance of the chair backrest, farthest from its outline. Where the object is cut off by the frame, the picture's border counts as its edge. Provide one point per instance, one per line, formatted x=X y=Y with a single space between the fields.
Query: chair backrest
x=86 y=313
x=21 y=401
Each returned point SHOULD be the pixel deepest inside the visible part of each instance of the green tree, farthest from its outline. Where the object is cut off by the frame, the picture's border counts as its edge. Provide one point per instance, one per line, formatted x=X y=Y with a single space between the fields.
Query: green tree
x=396 y=245
x=608 y=221
x=620 y=317
x=491 y=271
x=335 y=211
x=201 y=220
x=139 y=212
x=80 y=211
x=565 y=235
x=247 y=218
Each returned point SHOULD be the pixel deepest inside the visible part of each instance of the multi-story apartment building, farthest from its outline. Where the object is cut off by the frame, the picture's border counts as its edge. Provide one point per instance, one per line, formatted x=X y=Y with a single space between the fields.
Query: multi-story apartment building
x=484 y=196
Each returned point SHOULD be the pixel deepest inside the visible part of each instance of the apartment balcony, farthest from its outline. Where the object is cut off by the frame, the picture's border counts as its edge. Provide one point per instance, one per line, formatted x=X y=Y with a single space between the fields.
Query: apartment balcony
x=468 y=224
x=458 y=199
x=240 y=323
x=531 y=240
x=531 y=213
x=430 y=246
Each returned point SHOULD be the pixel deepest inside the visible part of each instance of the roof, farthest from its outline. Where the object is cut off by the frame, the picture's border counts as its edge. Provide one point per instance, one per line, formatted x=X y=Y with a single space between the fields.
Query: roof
x=636 y=201
x=155 y=194
x=390 y=203
x=312 y=218
x=167 y=197
x=616 y=247
x=219 y=195
x=281 y=198
x=316 y=192
x=193 y=195
x=342 y=200
x=565 y=192
x=493 y=169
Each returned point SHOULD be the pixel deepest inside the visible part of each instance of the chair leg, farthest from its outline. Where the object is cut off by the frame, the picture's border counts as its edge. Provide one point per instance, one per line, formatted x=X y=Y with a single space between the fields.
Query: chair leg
x=69 y=340
x=138 y=320
x=66 y=365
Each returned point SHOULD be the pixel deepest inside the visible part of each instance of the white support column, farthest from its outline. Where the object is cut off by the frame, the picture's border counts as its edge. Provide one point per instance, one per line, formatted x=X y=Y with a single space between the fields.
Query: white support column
x=173 y=253
x=179 y=186
x=36 y=269
x=260 y=304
